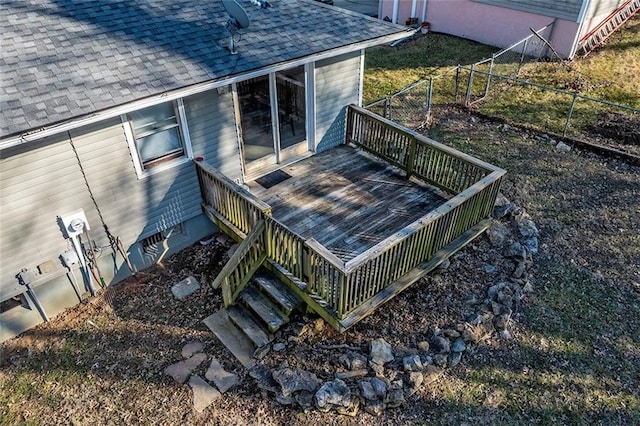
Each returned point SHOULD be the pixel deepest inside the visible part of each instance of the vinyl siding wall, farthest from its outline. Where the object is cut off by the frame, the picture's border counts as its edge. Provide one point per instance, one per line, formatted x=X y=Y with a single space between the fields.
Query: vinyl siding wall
x=337 y=85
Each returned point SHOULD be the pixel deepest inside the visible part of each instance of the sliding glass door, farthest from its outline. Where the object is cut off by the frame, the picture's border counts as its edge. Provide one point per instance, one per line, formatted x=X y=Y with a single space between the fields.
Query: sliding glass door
x=272 y=119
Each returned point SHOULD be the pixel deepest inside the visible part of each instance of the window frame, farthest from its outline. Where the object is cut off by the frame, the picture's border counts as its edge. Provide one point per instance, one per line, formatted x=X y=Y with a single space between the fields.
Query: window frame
x=171 y=159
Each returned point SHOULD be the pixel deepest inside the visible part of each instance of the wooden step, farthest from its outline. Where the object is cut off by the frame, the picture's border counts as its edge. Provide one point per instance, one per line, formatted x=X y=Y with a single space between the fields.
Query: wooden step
x=244 y=320
x=279 y=293
x=264 y=308
x=231 y=337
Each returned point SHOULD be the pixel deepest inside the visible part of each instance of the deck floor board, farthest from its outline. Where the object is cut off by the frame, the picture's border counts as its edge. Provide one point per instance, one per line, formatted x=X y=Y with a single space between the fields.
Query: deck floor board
x=346 y=200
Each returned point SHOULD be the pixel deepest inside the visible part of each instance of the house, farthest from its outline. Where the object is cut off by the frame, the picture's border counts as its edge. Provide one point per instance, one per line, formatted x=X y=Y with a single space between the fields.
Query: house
x=577 y=24
x=106 y=106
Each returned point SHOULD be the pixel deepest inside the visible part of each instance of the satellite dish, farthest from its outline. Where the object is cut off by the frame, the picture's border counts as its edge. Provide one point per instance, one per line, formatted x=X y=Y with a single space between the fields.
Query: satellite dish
x=238 y=20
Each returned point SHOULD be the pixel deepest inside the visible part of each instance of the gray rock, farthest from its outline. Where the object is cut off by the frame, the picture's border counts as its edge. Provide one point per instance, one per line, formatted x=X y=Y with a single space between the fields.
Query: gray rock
x=285 y=400
x=264 y=377
x=506 y=334
x=262 y=351
x=192 y=348
x=412 y=363
x=180 y=371
x=380 y=352
x=531 y=244
x=367 y=391
x=444 y=265
x=415 y=381
x=493 y=291
x=455 y=359
x=500 y=322
x=502 y=211
x=334 y=392
x=426 y=360
x=293 y=380
x=353 y=361
x=458 y=345
x=223 y=380
x=277 y=347
x=563 y=146
x=343 y=375
x=521 y=268
x=395 y=398
x=475 y=318
x=440 y=360
x=423 y=346
x=185 y=288
x=527 y=228
x=440 y=345
x=351 y=409
x=450 y=333
x=501 y=200
x=516 y=251
x=490 y=269
x=468 y=335
x=203 y=393
x=375 y=408
x=379 y=386
x=305 y=400
x=497 y=234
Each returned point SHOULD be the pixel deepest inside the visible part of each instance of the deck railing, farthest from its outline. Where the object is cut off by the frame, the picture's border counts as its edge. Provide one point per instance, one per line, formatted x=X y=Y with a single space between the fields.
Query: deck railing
x=345 y=287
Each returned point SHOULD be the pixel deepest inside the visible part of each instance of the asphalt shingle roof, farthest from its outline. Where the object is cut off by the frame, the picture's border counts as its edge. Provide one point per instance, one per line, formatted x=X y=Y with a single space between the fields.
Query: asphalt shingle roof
x=62 y=59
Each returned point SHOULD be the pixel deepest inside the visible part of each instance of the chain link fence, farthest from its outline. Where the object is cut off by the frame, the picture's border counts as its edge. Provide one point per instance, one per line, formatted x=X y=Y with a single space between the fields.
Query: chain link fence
x=491 y=87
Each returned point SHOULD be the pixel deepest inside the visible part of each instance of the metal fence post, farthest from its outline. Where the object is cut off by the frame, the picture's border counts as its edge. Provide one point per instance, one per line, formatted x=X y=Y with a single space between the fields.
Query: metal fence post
x=385 y=108
x=524 y=51
x=467 y=100
x=455 y=100
x=429 y=99
x=486 y=87
x=569 y=114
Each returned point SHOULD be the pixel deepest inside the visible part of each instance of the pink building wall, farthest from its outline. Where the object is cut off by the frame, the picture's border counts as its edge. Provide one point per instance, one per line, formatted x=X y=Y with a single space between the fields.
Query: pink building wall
x=496 y=26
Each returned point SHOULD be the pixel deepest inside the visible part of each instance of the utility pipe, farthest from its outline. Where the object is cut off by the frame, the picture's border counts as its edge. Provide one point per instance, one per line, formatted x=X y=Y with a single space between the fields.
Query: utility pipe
x=394 y=15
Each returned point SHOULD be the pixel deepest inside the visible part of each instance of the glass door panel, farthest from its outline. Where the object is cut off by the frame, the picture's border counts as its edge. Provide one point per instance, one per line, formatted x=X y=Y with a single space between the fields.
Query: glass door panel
x=291 y=107
x=255 y=118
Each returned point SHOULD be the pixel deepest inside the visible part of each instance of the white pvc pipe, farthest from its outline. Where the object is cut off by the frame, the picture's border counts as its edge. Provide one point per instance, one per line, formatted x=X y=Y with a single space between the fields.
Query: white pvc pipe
x=414 y=4
x=424 y=10
x=394 y=16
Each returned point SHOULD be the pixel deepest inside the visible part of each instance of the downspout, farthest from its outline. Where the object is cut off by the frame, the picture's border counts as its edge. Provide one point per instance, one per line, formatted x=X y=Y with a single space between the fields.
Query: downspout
x=424 y=10
x=414 y=5
x=394 y=16
x=581 y=18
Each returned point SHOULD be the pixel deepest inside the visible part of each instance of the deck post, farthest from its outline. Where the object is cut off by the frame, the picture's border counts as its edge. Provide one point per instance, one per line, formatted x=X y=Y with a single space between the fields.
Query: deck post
x=411 y=154
x=349 y=130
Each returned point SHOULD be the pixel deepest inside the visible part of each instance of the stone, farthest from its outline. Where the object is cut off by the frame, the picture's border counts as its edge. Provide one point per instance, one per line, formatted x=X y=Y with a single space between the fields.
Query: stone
x=516 y=251
x=455 y=359
x=528 y=228
x=203 y=393
x=450 y=333
x=353 y=361
x=192 y=348
x=304 y=400
x=423 y=346
x=440 y=345
x=262 y=351
x=440 y=360
x=277 y=347
x=431 y=374
x=180 y=371
x=490 y=269
x=502 y=211
x=501 y=200
x=444 y=265
x=426 y=360
x=528 y=288
x=521 y=268
x=293 y=380
x=367 y=391
x=334 y=392
x=412 y=363
x=375 y=408
x=563 y=146
x=223 y=379
x=344 y=375
x=351 y=409
x=395 y=398
x=506 y=335
x=284 y=400
x=264 y=377
x=475 y=318
x=379 y=386
x=415 y=381
x=458 y=345
x=185 y=288
x=497 y=234
x=531 y=244
x=380 y=352
x=493 y=291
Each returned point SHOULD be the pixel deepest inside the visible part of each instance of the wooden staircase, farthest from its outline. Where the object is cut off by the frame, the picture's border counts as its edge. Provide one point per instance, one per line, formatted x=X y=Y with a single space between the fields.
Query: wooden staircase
x=261 y=309
x=598 y=35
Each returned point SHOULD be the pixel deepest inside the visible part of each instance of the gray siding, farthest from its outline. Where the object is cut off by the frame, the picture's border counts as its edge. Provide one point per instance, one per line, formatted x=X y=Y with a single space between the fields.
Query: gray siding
x=337 y=85
x=601 y=9
x=39 y=181
x=565 y=9
x=212 y=127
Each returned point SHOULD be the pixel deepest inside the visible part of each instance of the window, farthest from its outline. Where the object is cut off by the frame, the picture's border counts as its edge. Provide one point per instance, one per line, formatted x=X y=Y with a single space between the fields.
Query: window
x=156 y=137
x=157 y=134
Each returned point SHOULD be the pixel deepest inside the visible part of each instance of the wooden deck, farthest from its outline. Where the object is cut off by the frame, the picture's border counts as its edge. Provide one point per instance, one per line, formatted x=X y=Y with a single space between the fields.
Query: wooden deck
x=346 y=200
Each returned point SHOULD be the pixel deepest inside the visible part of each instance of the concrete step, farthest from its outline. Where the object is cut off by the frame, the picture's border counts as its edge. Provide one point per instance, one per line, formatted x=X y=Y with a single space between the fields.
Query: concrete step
x=231 y=337
x=249 y=325
x=278 y=292
x=266 y=310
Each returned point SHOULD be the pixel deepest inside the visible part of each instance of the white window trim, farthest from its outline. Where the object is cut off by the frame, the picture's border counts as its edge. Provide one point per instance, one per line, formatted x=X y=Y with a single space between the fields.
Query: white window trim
x=133 y=149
